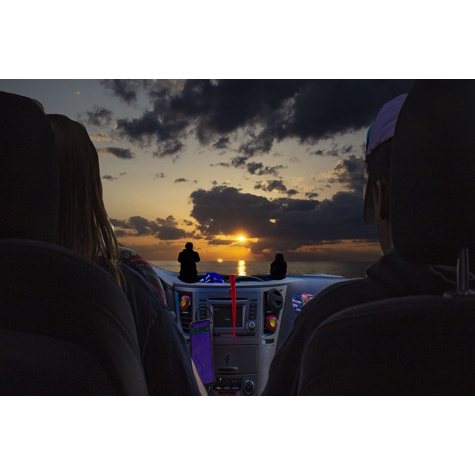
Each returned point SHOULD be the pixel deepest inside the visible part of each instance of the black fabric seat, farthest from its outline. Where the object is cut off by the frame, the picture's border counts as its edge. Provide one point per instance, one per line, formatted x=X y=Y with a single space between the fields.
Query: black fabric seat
x=68 y=317
x=29 y=366
x=66 y=328
x=404 y=346
x=425 y=344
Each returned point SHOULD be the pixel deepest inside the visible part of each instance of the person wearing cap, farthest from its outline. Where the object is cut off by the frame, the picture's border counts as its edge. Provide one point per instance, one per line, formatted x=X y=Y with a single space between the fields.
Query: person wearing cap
x=391 y=276
x=378 y=148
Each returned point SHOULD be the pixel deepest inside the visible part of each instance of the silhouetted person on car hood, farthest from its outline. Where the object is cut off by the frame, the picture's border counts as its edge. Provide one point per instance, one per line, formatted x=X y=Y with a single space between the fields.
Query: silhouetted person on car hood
x=278 y=268
x=188 y=259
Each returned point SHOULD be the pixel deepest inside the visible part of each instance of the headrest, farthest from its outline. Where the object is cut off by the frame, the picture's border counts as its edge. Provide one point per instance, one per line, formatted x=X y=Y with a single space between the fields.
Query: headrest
x=433 y=172
x=29 y=173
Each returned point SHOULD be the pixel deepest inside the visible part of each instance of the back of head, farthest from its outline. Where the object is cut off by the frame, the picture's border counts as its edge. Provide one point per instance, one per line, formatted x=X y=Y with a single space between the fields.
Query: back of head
x=379 y=143
x=189 y=246
x=81 y=187
x=83 y=225
x=29 y=176
x=433 y=172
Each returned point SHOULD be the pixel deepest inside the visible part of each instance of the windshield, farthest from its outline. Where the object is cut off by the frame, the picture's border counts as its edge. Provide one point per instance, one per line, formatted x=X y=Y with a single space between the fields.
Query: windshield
x=243 y=169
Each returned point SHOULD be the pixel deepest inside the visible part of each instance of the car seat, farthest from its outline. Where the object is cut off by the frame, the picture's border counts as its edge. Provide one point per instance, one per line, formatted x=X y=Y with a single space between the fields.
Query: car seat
x=421 y=345
x=66 y=328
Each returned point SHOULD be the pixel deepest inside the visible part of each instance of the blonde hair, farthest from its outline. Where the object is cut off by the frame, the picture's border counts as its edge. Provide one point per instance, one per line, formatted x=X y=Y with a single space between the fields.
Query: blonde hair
x=83 y=225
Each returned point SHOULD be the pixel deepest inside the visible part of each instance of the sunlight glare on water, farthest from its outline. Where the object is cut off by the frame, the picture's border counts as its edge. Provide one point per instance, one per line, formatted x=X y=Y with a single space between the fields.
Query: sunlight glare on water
x=345 y=269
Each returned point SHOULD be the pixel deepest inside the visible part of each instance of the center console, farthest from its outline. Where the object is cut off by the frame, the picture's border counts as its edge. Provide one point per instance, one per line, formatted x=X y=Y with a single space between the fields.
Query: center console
x=242 y=350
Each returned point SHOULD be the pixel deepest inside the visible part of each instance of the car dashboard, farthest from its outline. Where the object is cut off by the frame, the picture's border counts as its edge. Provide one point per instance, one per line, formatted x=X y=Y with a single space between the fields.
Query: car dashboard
x=243 y=346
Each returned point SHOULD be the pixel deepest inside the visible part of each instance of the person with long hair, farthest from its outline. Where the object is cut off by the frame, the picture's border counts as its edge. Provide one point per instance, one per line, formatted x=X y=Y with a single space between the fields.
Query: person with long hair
x=84 y=227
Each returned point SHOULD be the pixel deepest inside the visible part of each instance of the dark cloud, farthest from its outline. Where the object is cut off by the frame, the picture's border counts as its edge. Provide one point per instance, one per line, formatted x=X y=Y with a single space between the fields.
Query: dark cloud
x=162 y=229
x=239 y=162
x=275 y=185
x=126 y=89
x=224 y=210
x=167 y=130
x=253 y=168
x=265 y=110
x=223 y=142
x=286 y=224
x=122 y=153
x=159 y=175
x=185 y=180
x=350 y=173
x=109 y=178
x=312 y=195
x=168 y=230
x=99 y=116
x=334 y=152
x=283 y=223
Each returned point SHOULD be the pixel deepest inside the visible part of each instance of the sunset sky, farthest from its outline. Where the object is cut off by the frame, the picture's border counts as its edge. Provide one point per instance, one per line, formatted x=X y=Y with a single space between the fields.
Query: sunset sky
x=242 y=168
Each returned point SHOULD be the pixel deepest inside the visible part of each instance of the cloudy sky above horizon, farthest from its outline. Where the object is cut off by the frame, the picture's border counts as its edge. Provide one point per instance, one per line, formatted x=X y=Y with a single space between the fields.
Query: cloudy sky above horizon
x=277 y=163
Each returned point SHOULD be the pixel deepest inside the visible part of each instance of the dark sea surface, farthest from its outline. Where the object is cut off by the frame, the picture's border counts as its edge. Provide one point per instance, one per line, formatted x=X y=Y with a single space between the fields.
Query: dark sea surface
x=343 y=269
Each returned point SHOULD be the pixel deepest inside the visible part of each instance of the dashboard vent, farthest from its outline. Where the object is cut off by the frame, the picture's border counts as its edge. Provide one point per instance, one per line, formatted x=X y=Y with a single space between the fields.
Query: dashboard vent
x=186 y=321
x=185 y=308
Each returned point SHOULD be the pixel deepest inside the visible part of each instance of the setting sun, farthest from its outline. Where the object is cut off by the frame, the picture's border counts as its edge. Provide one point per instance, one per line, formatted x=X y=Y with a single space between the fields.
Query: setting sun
x=241 y=238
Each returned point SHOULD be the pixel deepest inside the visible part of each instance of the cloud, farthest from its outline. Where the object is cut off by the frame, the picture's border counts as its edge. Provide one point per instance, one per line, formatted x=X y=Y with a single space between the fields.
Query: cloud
x=167 y=130
x=222 y=143
x=349 y=173
x=99 y=116
x=168 y=230
x=159 y=175
x=265 y=111
x=101 y=136
x=275 y=225
x=311 y=195
x=162 y=229
x=253 y=168
x=122 y=153
x=283 y=223
x=112 y=178
x=185 y=180
x=275 y=185
x=126 y=89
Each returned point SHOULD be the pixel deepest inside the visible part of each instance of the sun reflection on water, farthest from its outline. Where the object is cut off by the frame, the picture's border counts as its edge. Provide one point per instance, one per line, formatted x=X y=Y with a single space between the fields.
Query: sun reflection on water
x=242 y=268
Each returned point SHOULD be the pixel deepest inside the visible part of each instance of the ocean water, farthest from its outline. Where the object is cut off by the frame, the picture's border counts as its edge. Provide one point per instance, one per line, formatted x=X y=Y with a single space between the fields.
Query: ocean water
x=343 y=269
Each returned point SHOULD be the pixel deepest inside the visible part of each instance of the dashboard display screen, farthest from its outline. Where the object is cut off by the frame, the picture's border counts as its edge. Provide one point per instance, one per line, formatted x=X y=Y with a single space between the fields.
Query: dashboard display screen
x=223 y=316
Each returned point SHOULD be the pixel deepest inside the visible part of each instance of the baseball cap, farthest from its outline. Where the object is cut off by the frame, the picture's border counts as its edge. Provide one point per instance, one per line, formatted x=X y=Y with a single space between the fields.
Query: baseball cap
x=380 y=131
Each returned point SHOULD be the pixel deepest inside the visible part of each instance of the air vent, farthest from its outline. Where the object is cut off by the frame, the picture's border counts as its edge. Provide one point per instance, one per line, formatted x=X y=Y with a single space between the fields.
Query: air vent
x=185 y=308
x=273 y=303
x=275 y=300
x=185 y=322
